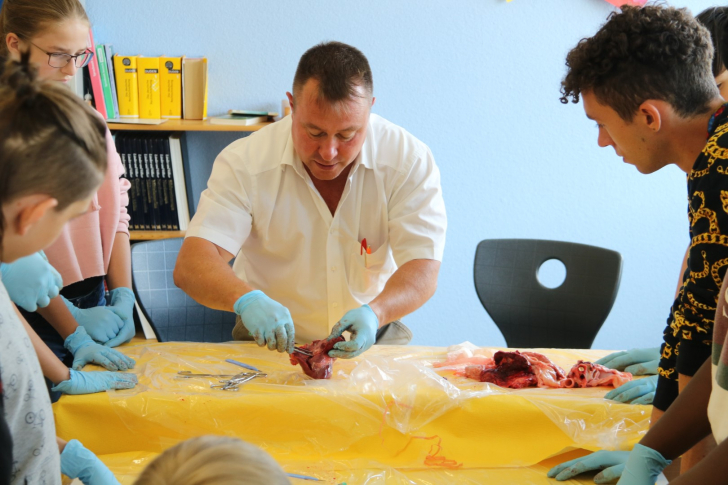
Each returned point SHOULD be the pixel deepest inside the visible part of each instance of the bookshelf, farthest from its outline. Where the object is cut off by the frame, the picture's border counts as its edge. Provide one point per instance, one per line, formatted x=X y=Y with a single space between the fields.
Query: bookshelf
x=176 y=126
x=185 y=125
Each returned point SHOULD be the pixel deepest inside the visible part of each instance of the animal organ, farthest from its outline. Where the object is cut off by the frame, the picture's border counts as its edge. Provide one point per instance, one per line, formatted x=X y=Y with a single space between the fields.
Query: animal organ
x=319 y=365
x=587 y=374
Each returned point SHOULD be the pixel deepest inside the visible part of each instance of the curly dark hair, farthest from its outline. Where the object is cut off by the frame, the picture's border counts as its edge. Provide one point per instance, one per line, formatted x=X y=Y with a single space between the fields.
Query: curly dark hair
x=652 y=52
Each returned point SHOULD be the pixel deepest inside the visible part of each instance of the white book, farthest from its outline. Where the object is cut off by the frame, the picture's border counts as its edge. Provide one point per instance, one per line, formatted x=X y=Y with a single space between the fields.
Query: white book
x=178 y=175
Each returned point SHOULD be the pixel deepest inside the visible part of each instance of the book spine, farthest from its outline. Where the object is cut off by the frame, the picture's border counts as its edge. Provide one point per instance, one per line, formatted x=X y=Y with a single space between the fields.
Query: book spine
x=125 y=69
x=174 y=213
x=163 y=216
x=171 y=86
x=152 y=193
x=180 y=184
x=105 y=82
x=149 y=96
x=109 y=49
x=98 y=90
x=141 y=171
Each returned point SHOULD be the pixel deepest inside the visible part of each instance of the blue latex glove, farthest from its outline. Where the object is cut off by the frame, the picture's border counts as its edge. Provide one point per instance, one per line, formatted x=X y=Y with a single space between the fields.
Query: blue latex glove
x=363 y=324
x=85 y=351
x=101 y=323
x=31 y=281
x=78 y=462
x=643 y=466
x=610 y=462
x=122 y=303
x=268 y=321
x=638 y=362
x=91 y=382
x=638 y=391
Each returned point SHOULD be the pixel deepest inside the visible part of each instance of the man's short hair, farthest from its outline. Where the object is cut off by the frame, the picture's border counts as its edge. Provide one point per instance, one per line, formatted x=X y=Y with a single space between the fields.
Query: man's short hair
x=644 y=53
x=339 y=68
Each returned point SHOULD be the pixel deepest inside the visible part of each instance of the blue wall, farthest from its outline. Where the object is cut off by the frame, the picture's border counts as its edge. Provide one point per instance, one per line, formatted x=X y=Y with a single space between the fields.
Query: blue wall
x=478 y=81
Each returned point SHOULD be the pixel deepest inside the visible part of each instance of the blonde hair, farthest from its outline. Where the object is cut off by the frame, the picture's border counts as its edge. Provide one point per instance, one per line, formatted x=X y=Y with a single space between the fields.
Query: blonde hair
x=213 y=460
x=25 y=18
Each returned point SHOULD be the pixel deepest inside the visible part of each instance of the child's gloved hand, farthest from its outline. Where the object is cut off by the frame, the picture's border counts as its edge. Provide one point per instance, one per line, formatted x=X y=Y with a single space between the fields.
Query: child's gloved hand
x=31 y=281
x=610 y=462
x=87 y=351
x=78 y=462
x=122 y=303
x=91 y=382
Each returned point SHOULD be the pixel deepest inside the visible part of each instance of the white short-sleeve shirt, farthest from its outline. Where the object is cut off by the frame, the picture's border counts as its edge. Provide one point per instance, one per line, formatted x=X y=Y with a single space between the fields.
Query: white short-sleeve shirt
x=260 y=202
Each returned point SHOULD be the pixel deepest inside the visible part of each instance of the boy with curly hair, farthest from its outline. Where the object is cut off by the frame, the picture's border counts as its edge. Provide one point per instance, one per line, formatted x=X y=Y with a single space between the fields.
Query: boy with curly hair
x=646 y=79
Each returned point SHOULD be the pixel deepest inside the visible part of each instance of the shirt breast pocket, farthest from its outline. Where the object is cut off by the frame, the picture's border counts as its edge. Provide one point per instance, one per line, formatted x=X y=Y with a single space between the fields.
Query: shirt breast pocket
x=366 y=273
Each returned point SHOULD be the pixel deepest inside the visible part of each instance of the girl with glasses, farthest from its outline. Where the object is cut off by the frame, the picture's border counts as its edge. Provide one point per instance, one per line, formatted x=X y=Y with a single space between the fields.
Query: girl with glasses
x=93 y=250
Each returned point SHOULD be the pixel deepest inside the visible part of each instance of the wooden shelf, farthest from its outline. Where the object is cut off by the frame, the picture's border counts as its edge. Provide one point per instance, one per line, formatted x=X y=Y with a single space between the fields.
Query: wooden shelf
x=185 y=125
x=148 y=235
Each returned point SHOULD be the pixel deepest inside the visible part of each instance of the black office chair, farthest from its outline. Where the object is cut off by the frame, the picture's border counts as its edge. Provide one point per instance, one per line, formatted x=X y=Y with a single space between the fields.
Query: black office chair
x=531 y=315
x=172 y=314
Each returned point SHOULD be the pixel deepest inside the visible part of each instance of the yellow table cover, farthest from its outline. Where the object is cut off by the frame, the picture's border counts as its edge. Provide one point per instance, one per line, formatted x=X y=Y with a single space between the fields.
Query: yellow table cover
x=388 y=409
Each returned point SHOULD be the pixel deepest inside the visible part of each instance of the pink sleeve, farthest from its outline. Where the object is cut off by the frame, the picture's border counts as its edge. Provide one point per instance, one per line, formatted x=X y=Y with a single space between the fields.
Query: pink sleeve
x=124 y=184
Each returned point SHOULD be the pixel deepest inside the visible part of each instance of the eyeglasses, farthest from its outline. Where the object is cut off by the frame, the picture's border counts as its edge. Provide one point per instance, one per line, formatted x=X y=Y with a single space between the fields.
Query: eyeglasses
x=58 y=60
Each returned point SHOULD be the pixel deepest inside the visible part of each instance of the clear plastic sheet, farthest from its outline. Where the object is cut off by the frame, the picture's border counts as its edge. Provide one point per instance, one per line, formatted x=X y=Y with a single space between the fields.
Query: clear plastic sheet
x=391 y=407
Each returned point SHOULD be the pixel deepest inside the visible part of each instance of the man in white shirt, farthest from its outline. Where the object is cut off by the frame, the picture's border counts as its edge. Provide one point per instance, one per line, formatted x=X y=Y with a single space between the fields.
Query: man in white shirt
x=336 y=217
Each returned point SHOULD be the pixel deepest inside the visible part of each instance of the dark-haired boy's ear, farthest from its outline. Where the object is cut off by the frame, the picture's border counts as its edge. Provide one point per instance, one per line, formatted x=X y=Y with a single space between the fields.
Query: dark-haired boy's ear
x=33 y=211
x=650 y=115
x=373 y=100
x=13 y=43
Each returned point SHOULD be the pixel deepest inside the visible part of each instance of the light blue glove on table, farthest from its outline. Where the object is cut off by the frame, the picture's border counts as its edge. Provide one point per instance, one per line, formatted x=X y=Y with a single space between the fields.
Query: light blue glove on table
x=122 y=303
x=85 y=351
x=610 y=462
x=363 y=324
x=643 y=466
x=31 y=281
x=91 y=382
x=638 y=391
x=638 y=362
x=268 y=321
x=78 y=462
x=101 y=323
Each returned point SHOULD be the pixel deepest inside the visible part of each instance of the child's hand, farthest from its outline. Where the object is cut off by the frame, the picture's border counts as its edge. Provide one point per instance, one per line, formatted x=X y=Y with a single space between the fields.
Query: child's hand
x=78 y=462
x=91 y=382
x=31 y=281
x=87 y=351
x=122 y=304
x=100 y=322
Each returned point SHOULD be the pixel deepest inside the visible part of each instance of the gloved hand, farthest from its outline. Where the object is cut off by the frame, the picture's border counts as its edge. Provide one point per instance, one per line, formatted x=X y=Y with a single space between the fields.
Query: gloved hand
x=638 y=391
x=85 y=350
x=638 y=362
x=31 y=281
x=268 y=321
x=78 y=462
x=101 y=323
x=610 y=462
x=91 y=382
x=643 y=466
x=122 y=303
x=363 y=324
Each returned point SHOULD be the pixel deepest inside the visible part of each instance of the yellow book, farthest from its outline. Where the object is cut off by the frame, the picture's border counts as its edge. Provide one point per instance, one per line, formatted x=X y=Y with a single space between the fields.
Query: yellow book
x=150 y=101
x=127 y=89
x=171 y=86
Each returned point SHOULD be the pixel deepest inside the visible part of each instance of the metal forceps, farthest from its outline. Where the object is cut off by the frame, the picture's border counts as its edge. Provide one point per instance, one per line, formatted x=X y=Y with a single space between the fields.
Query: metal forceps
x=185 y=374
x=303 y=351
x=238 y=380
